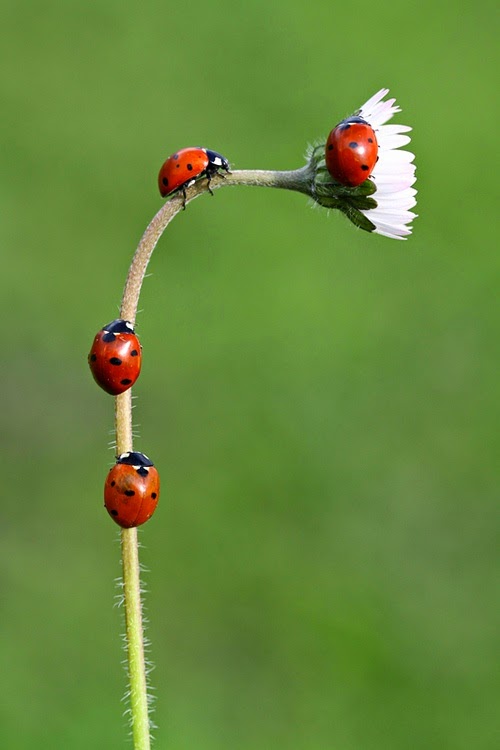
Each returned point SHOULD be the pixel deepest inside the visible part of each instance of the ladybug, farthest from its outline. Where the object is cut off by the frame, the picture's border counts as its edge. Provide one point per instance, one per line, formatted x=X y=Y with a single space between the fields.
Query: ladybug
x=351 y=151
x=182 y=169
x=131 y=490
x=115 y=357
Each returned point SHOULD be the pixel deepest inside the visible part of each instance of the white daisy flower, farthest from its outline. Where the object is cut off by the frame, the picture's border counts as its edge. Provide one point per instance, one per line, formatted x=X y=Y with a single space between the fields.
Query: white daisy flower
x=394 y=173
x=382 y=203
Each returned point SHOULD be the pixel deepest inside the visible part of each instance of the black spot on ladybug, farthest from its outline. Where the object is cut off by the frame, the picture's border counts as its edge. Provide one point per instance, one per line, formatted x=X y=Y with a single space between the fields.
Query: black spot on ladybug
x=370 y=140
x=129 y=493
x=365 y=167
x=115 y=361
x=125 y=381
x=189 y=167
x=142 y=471
x=330 y=146
x=93 y=357
x=175 y=156
x=134 y=353
x=114 y=512
x=353 y=145
x=108 y=336
x=165 y=181
x=153 y=495
x=113 y=483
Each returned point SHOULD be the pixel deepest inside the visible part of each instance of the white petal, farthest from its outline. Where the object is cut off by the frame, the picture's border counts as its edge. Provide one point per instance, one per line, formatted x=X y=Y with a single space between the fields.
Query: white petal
x=393 y=129
x=392 y=183
x=381 y=113
x=391 y=155
x=392 y=234
x=391 y=226
x=391 y=216
x=402 y=197
x=394 y=173
x=404 y=177
x=396 y=204
x=367 y=106
x=392 y=141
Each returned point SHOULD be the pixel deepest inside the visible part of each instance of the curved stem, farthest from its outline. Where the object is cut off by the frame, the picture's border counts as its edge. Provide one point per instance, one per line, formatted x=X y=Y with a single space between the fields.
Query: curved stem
x=299 y=180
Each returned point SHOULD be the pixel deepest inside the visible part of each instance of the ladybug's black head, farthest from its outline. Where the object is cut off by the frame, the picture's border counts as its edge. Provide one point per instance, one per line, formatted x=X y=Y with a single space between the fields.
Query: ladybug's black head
x=217 y=161
x=355 y=118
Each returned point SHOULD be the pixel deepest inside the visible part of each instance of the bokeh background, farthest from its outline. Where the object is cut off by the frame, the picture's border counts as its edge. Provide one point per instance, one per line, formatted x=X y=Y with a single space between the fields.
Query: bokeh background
x=323 y=404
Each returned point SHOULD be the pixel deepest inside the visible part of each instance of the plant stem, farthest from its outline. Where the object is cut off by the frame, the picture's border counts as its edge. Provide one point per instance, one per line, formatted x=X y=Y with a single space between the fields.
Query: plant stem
x=293 y=180
x=135 y=640
x=298 y=179
x=123 y=422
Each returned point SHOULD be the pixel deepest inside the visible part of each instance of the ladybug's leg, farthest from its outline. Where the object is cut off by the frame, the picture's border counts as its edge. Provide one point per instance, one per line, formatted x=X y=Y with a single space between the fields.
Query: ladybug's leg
x=211 y=174
x=184 y=197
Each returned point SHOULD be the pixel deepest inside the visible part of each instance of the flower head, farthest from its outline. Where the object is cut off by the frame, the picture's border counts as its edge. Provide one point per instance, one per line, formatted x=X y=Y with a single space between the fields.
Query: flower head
x=382 y=203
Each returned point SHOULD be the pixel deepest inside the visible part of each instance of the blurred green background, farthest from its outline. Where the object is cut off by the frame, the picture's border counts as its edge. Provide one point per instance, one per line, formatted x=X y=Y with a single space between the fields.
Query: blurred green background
x=323 y=404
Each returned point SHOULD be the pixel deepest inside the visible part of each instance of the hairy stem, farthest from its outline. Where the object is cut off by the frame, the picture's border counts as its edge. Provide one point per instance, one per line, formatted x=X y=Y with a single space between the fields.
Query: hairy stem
x=135 y=640
x=123 y=422
x=299 y=180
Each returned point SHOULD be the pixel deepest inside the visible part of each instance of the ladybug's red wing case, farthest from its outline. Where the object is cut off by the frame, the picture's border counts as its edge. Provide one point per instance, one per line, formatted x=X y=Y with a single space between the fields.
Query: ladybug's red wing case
x=132 y=490
x=351 y=151
x=181 y=169
x=115 y=357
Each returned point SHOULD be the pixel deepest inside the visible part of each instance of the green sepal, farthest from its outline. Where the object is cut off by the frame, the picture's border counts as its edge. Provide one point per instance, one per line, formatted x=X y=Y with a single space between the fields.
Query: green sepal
x=364 y=204
x=367 y=187
x=357 y=218
x=325 y=185
x=331 y=194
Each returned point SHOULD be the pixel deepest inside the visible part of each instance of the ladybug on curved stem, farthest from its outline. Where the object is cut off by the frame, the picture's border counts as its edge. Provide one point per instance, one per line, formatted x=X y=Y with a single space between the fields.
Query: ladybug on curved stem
x=185 y=167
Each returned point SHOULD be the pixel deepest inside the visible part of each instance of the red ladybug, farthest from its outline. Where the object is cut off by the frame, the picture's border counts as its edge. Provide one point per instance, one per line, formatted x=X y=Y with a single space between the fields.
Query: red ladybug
x=131 y=490
x=351 y=151
x=183 y=168
x=115 y=358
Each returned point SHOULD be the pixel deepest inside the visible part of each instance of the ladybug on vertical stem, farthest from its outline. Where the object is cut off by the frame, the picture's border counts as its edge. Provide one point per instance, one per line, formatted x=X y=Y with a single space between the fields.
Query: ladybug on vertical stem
x=182 y=169
x=131 y=490
x=351 y=151
x=115 y=357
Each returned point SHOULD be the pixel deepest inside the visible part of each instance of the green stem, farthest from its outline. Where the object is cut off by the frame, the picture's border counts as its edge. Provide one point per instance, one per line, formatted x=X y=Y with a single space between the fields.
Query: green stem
x=299 y=180
x=296 y=179
x=135 y=640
